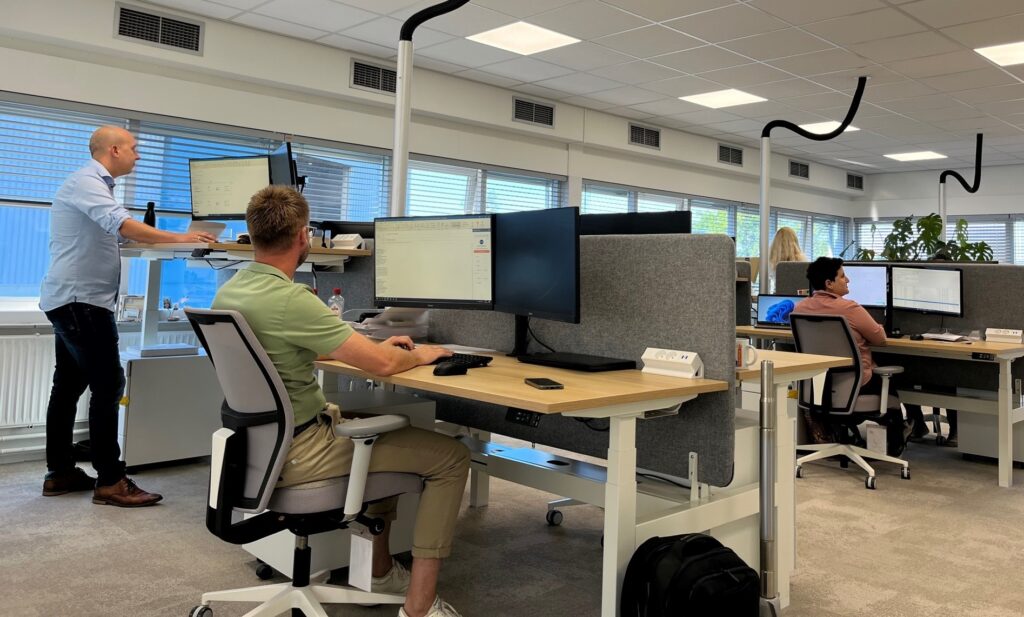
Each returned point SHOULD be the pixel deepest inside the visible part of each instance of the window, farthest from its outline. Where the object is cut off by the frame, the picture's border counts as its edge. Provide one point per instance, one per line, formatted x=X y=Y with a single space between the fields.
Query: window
x=604 y=199
x=443 y=189
x=1005 y=234
x=654 y=202
x=343 y=185
x=24 y=254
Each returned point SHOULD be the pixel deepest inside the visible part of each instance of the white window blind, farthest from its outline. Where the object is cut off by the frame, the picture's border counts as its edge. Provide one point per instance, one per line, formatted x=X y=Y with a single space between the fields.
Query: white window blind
x=1005 y=234
x=656 y=202
x=507 y=192
x=604 y=199
x=343 y=185
x=712 y=218
x=439 y=189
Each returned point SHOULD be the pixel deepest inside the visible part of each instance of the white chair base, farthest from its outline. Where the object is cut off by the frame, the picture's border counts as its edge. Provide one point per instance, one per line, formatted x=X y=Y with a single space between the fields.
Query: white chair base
x=282 y=597
x=854 y=453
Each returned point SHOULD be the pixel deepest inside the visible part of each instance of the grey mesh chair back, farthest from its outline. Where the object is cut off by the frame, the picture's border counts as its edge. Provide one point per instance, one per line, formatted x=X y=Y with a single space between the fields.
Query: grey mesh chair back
x=828 y=335
x=255 y=401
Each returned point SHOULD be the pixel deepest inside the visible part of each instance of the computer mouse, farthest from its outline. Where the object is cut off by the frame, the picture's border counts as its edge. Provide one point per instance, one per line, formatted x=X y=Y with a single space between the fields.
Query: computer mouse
x=916 y=337
x=450 y=368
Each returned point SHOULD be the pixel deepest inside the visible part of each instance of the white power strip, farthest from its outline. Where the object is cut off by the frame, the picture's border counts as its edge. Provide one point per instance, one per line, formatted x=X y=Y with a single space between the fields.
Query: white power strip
x=672 y=362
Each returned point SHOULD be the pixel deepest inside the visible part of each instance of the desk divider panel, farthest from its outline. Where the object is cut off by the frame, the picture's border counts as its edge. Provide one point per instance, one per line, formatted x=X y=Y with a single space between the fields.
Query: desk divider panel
x=744 y=291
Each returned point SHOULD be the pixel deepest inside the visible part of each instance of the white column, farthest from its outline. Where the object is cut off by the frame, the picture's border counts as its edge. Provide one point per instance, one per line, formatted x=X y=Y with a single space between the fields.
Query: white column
x=619 y=511
x=766 y=178
x=403 y=113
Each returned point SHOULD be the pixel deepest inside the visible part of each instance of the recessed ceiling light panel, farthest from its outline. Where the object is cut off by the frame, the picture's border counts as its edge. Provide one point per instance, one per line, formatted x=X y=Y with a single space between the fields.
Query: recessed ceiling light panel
x=523 y=38
x=926 y=155
x=723 y=98
x=1004 y=55
x=823 y=128
x=858 y=163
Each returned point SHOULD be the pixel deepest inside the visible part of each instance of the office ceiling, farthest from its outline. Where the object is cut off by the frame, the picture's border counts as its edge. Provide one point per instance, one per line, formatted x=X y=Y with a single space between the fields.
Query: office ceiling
x=928 y=89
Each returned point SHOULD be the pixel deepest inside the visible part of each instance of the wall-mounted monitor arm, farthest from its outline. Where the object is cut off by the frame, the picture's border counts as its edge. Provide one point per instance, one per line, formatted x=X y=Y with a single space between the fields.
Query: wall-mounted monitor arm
x=766 y=155
x=403 y=100
x=970 y=189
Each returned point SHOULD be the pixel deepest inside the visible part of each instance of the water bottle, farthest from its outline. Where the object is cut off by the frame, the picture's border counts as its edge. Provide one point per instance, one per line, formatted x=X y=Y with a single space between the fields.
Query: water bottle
x=336 y=303
x=150 y=216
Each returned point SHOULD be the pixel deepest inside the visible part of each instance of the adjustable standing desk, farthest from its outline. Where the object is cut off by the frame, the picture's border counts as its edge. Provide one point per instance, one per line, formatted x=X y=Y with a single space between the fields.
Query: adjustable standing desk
x=620 y=396
x=984 y=353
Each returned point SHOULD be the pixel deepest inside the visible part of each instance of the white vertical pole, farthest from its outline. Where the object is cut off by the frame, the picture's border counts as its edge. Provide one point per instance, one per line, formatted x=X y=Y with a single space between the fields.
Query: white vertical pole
x=403 y=113
x=766 y=156
x=619 y=511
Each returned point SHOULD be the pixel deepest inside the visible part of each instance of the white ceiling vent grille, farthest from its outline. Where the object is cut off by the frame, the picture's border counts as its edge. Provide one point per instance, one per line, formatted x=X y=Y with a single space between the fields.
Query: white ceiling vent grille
x=158 y=29
x=644 y=136
x=730 y=155
x=800 y=170
x=853 y=181
x=534 y=113
x=374 y=77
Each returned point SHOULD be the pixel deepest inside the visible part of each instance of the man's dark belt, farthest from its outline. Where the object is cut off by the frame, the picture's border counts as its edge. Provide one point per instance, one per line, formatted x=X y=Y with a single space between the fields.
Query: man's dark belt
x=305 y=425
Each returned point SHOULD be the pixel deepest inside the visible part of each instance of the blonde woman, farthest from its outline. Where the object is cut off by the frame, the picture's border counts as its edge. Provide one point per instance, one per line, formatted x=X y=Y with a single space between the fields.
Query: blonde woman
x=785 y=247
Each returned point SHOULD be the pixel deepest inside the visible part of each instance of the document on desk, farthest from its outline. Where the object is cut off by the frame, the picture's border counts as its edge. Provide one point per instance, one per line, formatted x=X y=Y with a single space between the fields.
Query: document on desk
x=945 y=336
x=468 y=349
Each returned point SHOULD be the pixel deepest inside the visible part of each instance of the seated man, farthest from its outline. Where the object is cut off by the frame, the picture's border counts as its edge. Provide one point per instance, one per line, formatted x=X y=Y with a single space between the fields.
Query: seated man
x=830 y=284
x=295 y=327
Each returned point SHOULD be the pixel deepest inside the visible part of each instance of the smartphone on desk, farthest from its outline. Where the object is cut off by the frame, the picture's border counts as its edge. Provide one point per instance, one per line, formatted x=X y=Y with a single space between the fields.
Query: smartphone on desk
x=543 y=383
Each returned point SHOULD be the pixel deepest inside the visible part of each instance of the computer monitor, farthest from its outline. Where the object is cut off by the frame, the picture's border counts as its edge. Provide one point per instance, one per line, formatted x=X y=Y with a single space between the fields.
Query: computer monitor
x=221 y=188
x=537 y=267
x=773 y=310
x=928 y=290
x=282 y=166
x=672 y=222
x=434 y=261
x=869 y=285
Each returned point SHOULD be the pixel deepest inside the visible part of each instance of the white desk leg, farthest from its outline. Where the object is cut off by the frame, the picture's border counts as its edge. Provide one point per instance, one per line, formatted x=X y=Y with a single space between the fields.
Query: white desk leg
x=479 y=481
x=1005 y=425
x=619 y=511
x=785 y=492
x=151 y=311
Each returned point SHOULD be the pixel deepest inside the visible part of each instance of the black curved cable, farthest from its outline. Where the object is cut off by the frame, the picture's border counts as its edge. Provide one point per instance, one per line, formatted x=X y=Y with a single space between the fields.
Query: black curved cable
x=427 y=14
x=977 y=170
x=854 y=106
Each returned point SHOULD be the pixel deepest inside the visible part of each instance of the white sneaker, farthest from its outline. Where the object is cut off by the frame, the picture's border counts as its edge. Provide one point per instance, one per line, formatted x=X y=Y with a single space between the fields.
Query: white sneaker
x=440 y=608
x=395 y=581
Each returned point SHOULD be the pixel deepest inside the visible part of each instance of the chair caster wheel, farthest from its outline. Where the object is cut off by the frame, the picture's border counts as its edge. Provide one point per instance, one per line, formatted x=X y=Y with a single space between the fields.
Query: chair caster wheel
x=554 y=518
x=940 y=440
x=263 y=572
x=905 y=473
x=799 y=471
x=869 y=482
x=201 y=611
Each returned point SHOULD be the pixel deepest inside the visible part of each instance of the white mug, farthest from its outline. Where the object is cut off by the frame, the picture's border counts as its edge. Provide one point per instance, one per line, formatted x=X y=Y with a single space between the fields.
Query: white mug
x=745 y=353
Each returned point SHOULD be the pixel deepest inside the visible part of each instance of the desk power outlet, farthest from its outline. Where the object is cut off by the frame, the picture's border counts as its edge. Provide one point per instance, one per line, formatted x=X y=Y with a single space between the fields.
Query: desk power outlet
x=979 y=355
x=522 y=416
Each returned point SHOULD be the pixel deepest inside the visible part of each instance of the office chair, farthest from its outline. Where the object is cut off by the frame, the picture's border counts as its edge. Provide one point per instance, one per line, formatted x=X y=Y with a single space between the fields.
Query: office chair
x=248 y=455
x=841 y=406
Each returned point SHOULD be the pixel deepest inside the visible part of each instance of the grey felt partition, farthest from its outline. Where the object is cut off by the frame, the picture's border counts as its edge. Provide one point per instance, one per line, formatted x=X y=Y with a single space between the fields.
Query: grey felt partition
x=744 y=291
x=992 y=299
x=669 y=291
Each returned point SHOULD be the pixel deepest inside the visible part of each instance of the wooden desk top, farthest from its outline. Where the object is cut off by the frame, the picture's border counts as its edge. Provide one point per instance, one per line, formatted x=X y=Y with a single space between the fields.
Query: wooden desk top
x=235 y=247
x=788 y=362
x=501 y=383
x=897 y=345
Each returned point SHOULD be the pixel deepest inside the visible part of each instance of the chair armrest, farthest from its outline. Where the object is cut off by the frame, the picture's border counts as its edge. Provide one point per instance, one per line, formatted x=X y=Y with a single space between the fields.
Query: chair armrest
x=375 y=425
x=887 y=371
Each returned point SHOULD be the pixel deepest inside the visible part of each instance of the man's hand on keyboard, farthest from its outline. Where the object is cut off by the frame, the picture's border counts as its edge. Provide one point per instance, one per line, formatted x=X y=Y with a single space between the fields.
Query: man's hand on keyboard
x=427 y=354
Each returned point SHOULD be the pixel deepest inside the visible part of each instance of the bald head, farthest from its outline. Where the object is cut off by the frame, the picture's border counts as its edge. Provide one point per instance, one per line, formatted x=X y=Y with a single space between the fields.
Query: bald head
x=114 y=148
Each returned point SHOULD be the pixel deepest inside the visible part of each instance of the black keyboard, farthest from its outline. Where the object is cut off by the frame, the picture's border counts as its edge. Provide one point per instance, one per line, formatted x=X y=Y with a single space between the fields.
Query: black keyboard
x=472 y=361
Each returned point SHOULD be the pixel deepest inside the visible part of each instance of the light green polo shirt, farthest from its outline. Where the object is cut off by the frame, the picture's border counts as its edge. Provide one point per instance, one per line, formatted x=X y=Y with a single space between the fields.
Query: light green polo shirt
x=293 y=326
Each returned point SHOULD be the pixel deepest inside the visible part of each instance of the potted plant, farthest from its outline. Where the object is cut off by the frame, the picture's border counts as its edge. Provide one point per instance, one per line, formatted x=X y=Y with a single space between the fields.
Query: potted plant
x=903 y=245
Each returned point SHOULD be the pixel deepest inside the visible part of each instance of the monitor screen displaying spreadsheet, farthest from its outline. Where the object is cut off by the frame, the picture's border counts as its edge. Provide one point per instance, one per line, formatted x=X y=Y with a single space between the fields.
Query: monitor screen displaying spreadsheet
x=434 y=262
x=928 y=290
x=221 y=188
x=868 y=285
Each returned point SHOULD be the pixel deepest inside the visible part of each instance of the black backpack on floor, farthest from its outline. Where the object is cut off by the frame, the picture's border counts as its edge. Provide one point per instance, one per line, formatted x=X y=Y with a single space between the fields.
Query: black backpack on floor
x=689 y=575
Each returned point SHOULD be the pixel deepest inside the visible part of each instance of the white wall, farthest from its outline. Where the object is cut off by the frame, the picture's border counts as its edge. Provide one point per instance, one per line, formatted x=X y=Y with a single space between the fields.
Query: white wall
x=917 y=193
x=64 y=49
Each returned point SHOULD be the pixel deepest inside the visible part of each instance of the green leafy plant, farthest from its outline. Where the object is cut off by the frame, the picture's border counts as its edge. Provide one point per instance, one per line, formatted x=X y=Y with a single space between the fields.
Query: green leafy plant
x=929 y=235
x=900 y=244
x=903 y=245
x=960 y=249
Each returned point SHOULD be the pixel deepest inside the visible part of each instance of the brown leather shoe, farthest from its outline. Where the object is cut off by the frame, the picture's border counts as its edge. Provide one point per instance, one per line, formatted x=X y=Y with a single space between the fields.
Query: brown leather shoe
x=63 y=482
x=124 y=494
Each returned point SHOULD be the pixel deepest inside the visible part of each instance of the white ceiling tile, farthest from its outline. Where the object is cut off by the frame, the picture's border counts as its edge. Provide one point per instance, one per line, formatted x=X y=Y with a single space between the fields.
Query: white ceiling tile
x=863 y=27
x=786 y=89
x=667 y=107
x=909 y=106
x=199 y=7
x=488 y=78
x=628 y=95
x=819 y=62
x=520 y=8
x=649 y=41
x=896 y=90
x=736 y=126
x=777 y=44
x=384 y=31
x=999 y=108
x=630 y=112
x=383 y=7
x=583 y=56
x=682 y=86
x=526 y=69
x=589 y=103
x=357 y=46
x=539 y=91
x=319 y=14
x=815 y=102
x=988 y=32
x=637 y=72
x=866 y=110
x=242 y=4
x=662 y=10
x=982 y=78
x=978 y=124
x=705 y=117
x=943 y=13
x=439 y=65
x=277 y=26
x=846 y=81
x=799 y=12
x=468 y=53
x=945 y=113
x=730 y=22
x=746 y=75
x=1017 y=70
x=907 y=46
x=702 y=59
x=581 y=83
x=943 y=64
x=587 y=20
x=762 y=110
x=470 y=19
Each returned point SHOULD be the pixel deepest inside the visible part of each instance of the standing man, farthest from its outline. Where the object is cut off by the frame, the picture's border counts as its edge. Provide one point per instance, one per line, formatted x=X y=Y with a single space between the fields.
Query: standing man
x=79 y=295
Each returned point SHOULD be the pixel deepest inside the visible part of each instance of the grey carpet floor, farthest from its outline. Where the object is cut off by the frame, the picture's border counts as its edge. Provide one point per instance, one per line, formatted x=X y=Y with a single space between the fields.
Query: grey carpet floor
x=949 y=541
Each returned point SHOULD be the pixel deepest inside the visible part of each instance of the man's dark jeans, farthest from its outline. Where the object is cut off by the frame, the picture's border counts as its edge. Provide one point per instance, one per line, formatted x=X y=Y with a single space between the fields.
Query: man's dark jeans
x=87 y=357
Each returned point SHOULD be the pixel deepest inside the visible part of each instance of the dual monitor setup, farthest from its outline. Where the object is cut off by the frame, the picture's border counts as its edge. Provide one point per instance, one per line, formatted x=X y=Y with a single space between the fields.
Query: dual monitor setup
x=919 y=289
x=221 y=187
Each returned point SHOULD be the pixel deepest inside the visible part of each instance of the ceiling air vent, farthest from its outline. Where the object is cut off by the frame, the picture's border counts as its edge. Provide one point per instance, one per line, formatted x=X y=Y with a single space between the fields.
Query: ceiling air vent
x=800 y=170
x=535 y=113
x=730 y=155
x=644 y=136
x=374 y=77
x=853 y=181
x=160 y=30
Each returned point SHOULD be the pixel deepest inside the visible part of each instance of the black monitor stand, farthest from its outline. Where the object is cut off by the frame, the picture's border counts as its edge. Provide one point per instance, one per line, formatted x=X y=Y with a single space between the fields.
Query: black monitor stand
x=522 y=336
